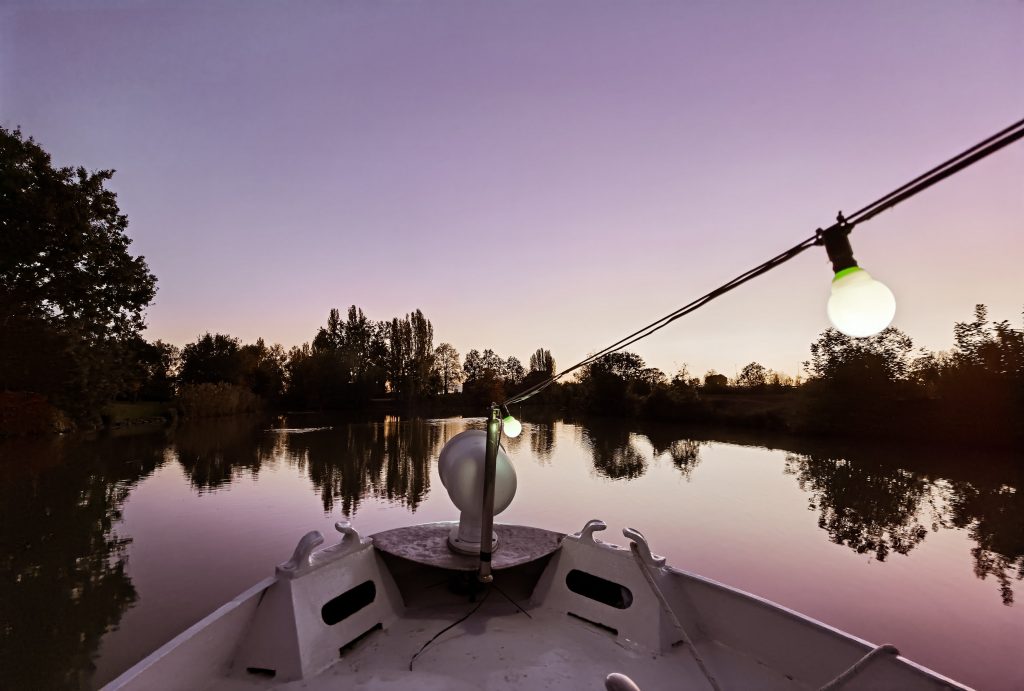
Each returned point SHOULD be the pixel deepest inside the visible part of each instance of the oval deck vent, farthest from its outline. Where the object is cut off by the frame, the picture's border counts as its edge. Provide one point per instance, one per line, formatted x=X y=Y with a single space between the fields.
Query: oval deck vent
x=348 y=603
x=597 y=588
x=262 y=672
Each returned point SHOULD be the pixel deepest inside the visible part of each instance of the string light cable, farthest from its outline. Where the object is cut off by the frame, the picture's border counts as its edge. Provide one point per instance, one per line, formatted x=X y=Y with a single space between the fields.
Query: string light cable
x=829 y=237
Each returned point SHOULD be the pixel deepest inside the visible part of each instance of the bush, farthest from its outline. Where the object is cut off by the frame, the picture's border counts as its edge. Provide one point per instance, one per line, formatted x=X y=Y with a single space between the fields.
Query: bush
x=212 y=400
x=30 y=413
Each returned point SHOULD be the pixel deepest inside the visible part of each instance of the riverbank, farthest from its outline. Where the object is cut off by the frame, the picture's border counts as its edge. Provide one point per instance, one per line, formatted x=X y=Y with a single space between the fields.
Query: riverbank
x=794 y=413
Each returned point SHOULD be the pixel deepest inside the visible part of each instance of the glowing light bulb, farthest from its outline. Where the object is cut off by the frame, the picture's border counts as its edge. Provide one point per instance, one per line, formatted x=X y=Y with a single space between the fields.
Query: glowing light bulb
x=512 y=427
x=859 y=305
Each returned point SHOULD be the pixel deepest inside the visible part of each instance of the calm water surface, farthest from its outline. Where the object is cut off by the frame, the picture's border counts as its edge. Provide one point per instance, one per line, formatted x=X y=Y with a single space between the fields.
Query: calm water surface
x=111 y=547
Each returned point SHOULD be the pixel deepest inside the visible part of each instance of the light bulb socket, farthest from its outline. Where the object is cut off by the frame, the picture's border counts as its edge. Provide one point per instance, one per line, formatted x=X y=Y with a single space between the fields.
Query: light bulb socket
x=836 y=239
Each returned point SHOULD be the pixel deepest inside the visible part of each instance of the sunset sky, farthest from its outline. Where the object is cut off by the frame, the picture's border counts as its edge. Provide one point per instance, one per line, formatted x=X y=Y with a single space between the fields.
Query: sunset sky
x=536 y=174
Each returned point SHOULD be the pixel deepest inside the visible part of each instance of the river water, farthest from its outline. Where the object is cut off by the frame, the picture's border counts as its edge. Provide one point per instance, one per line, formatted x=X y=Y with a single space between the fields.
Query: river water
x=112 y=546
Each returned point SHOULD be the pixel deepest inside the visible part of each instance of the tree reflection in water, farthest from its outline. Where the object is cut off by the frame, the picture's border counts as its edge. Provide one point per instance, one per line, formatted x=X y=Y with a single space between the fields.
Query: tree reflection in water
x=994 y=517
x=542 y=439
x=346 y=462
x=389 y=460
x=62 y=579
x=876 y=506
x=867 y=507
x=684 y=452
x=876 y=501
x=614 y=454
x=214 y=452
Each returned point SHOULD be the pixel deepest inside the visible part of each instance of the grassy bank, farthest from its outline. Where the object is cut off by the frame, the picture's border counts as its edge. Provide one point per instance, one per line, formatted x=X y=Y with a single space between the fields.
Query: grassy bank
x=122 y=413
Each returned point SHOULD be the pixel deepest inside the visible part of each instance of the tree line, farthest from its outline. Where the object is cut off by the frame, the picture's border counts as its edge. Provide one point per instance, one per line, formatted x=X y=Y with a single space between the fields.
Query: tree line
x=72 y=301
x=350 y=362
x=878 y=385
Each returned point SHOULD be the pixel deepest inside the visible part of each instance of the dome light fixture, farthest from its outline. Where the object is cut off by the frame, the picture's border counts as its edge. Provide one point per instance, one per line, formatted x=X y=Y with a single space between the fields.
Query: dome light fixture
x=461 y=466
x=859 y=306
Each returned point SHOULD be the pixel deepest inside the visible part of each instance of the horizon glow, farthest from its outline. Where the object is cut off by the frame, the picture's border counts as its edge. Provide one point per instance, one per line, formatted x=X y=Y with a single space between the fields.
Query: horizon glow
x=601 y=164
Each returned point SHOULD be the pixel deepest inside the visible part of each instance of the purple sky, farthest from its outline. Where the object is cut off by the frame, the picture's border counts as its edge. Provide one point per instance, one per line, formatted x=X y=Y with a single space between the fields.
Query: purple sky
x=591 y=165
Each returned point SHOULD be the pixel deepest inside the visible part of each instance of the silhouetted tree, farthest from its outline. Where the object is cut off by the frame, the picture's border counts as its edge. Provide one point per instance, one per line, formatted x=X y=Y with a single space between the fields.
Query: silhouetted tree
x=542 y=367
x=305 y=377
x=980 y=385
x=648 y=379
x=541 y=361
x=421 y=355
x=779 y=380
x=623 y=364
x=753 y=376
x=353 y=359
x=861 y=362
x=713 y=381
x=155 y=372
x=927 y=369
x=263 y=369
x=682 y=384
x=492 y=361
x=858 y=385
x=473 y=366
x=614 y=381
x=335 y=331
x=409 y=354
x=447 y=369
x=514 y=372
x=71 y=295
x=212 y=358
x=364 y=350
x=485 y=378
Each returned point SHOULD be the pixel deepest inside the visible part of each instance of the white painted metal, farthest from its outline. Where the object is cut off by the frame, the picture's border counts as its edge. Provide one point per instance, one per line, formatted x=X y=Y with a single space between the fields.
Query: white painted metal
x=644 y=622
x=460 y=467
x=744 y=641
x=199 y=654
x=288 y=633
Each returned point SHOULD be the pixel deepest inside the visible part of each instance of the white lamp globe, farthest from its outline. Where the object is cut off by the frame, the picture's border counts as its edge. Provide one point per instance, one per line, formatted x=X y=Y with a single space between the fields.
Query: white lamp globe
x=512 y=427
x=461 y=467
x=859 y=305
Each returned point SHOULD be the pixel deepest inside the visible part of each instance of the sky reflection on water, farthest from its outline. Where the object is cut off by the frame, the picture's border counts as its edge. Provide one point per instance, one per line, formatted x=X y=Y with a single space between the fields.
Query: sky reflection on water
x=113 y=546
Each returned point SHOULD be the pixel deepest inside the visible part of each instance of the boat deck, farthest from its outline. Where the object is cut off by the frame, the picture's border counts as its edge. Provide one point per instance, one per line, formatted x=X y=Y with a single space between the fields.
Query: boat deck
x=499 y=647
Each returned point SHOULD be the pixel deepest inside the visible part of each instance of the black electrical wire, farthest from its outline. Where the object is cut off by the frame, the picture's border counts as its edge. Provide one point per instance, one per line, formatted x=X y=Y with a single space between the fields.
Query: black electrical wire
x=940 y=172
x=507 y=597
x=440 y=633
x=919 y=184
x=669 y=318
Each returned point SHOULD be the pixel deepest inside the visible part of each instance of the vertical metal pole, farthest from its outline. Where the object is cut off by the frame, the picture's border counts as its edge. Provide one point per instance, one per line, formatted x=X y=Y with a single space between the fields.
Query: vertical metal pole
x=487 y=514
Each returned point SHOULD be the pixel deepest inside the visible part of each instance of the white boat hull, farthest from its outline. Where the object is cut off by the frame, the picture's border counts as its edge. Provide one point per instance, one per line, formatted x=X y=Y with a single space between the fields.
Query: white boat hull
x=563 y=621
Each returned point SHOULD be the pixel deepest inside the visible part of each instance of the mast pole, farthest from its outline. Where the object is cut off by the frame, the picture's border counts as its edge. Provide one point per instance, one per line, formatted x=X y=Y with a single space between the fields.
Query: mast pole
x=487 y=513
